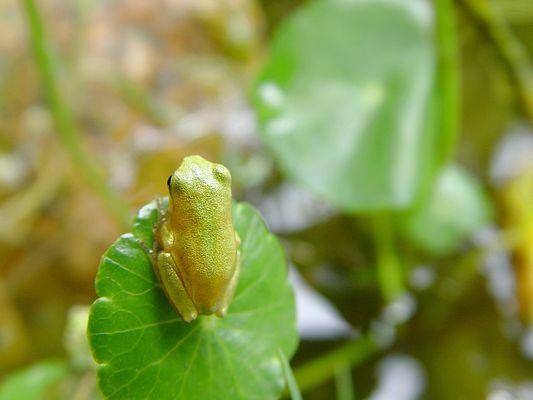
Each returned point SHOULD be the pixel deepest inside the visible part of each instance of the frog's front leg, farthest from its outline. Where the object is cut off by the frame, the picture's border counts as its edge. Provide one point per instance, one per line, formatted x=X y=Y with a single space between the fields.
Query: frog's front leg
x=156 y=229
x=173 y=287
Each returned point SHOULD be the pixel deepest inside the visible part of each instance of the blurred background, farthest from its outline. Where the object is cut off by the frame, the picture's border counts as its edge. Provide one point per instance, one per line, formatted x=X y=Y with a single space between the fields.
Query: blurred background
x=388 y=143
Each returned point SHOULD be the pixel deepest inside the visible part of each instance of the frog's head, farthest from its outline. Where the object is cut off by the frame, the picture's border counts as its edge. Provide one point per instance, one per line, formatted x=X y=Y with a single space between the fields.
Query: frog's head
x=197 y=176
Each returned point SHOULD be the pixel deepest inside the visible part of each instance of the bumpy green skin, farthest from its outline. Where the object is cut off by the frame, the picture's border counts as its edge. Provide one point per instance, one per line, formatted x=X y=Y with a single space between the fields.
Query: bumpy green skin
x=197 y=248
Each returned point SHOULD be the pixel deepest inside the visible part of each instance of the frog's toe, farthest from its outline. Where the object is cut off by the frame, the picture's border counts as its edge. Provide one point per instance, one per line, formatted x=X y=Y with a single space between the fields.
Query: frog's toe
x=189 y=316
x=221 y=312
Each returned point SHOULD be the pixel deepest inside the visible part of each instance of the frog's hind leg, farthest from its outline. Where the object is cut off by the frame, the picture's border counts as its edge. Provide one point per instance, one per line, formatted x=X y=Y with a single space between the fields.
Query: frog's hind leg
x=221 y=312
x=174 y=289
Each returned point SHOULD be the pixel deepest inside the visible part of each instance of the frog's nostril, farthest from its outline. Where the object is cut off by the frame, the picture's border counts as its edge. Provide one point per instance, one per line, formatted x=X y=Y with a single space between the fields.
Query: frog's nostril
x=168 y=180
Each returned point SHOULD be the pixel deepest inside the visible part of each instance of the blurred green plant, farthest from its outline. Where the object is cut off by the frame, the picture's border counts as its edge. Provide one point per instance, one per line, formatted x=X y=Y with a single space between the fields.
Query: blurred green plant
x=35 y=382
x=65 y=122
x=355 y=112
x=454 y=211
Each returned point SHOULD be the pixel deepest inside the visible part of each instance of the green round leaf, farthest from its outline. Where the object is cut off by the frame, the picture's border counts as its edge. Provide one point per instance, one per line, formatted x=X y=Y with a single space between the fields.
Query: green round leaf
x=343 y=102
x=145 y=351
x=456 y=208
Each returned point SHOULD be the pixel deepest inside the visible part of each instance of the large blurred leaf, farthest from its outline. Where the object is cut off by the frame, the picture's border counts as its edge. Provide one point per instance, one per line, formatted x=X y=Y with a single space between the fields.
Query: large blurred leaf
x=146 y=351
x=455 y=209
x=343 y=102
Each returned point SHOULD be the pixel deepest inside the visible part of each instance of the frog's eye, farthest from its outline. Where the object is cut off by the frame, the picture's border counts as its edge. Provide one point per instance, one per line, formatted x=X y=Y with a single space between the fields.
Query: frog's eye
x=221 y=173
x=168 y=180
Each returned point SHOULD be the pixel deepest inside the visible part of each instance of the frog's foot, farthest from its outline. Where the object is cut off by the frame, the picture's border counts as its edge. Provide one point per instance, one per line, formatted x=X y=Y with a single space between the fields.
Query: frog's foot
x=161 y=211
x=156 y=228
x=147 y=249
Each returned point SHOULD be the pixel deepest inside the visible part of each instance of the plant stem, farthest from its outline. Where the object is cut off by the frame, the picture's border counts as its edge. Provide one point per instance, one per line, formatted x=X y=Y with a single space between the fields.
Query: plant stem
x=448 y=76
x=511 y=50
x=343 y=382
x=325 y=367
x=64 y=121
x=389 y=271
x=140 y=100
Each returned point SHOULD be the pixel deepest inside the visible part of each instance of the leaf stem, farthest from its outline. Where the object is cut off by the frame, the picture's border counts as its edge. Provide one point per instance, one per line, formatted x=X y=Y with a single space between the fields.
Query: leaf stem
x=66 y=127
x=292 y=385
x=325 y=367
x=389 y=271
x=511 y=50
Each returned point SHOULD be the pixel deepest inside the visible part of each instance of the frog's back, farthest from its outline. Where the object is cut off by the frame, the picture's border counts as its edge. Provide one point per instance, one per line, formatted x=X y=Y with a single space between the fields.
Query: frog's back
x=208 y=256
x=204 y=247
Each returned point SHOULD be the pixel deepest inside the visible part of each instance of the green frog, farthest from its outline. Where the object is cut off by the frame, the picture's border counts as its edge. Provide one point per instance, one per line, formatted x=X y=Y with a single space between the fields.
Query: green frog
x=196 y=248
